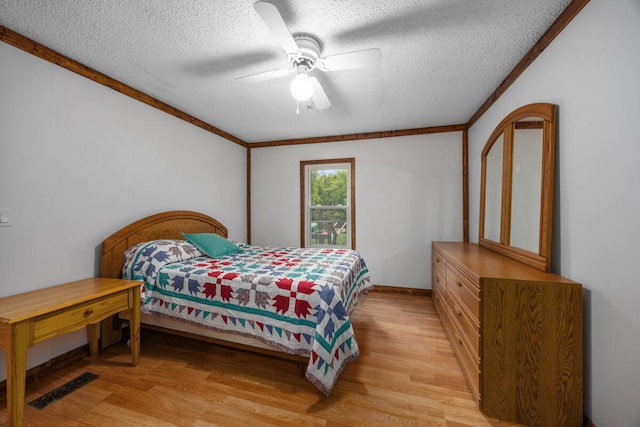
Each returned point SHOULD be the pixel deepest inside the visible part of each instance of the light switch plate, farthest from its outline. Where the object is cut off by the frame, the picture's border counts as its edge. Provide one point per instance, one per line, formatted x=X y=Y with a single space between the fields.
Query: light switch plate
x=6 y=215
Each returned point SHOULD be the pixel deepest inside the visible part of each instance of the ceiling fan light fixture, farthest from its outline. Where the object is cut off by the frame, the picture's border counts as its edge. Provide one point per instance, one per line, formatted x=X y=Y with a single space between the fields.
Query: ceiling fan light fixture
x=302 y=87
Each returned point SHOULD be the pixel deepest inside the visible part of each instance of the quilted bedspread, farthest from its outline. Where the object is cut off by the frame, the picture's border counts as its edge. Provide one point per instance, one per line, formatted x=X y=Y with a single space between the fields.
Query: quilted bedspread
x=297 y=300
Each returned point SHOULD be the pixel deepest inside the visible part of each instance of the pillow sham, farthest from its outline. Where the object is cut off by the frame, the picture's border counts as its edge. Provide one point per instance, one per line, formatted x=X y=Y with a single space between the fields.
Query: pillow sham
x=212 y=244
x=144 y=260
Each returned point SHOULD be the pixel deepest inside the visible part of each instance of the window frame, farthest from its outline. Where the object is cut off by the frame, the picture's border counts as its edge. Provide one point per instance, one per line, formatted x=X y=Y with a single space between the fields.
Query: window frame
x=305 y=166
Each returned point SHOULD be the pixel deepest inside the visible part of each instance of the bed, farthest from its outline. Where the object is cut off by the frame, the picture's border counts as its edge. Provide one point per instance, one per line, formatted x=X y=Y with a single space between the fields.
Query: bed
x=288 y=302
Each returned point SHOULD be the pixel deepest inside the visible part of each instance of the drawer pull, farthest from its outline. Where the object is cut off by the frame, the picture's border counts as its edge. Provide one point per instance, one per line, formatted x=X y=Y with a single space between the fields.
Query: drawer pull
x=89 y=312
x=458 y=339
x=457 y=310
x=459 y=283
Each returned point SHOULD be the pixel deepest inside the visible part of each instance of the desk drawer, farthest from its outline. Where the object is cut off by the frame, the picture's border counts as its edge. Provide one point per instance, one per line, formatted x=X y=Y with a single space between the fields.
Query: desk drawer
x=78 y=316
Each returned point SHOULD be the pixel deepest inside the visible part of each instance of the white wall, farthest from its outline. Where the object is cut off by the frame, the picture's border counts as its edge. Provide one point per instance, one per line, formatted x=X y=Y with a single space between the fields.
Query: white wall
x=408 y=193
x=592 y=71
x=78 y=161
x=70 y=151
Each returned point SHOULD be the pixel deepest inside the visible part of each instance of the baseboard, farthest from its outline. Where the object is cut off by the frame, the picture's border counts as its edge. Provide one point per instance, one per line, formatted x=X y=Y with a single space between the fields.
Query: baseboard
x=404 y=291
x=58 y=362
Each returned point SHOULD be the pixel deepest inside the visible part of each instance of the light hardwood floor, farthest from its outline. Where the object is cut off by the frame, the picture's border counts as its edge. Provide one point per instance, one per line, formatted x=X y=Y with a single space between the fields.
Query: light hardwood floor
x=407 y=375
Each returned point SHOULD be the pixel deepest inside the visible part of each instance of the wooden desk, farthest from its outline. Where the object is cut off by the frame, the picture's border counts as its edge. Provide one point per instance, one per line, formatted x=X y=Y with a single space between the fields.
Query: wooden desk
x=29 y=318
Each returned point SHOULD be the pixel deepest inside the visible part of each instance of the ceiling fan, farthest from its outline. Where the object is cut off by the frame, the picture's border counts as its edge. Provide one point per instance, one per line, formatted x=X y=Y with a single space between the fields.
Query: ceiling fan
x=303 y=55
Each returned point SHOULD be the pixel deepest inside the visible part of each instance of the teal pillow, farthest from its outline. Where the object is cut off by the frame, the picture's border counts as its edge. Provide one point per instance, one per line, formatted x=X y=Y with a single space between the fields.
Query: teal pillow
x=212 y=244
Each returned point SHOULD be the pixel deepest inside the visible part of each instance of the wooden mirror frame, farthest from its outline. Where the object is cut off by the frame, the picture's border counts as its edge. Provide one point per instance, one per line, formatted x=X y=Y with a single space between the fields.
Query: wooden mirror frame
x=547 y=113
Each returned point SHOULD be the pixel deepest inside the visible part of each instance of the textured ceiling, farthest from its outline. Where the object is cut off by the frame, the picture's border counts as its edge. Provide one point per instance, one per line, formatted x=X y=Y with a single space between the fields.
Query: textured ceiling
x=441 y=58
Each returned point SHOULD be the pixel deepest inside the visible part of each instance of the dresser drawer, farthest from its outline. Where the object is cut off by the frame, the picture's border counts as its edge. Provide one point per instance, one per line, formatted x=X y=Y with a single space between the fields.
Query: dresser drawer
x=466 y=323
x=438 y=263
x=439 y=286
x=438 y=282
x=465 y=290
x=78 y=316
x=439 y=305
x=468 y=361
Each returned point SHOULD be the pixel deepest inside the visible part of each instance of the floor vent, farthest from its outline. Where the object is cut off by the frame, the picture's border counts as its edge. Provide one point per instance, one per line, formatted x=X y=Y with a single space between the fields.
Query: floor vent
x=60 y=392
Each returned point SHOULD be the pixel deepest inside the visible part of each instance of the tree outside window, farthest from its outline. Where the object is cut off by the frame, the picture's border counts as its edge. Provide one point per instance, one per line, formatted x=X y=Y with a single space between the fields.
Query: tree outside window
x=327 y=203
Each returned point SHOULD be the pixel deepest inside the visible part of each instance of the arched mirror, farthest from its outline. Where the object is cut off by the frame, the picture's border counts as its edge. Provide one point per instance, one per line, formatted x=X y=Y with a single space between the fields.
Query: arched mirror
x=516 y=194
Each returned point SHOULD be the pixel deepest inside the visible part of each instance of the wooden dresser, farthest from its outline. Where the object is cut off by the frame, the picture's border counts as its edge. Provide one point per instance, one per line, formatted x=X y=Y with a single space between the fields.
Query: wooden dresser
x=516 y=331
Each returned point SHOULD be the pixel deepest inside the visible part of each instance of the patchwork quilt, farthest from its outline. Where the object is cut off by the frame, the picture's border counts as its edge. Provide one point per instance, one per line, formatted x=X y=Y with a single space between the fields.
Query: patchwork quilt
x=296 y=300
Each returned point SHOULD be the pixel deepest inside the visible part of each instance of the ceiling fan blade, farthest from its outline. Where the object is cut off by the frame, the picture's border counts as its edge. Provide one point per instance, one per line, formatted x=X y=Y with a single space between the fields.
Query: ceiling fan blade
x=265 y=75
x=272 y=18
x=319 y=97
x=350 y=60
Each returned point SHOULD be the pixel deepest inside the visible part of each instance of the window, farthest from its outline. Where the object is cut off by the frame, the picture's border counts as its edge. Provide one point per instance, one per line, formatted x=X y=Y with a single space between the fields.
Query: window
x=328 y=203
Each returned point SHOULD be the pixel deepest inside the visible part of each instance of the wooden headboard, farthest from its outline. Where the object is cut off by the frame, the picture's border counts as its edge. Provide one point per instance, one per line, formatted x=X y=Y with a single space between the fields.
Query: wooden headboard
x=166 y=225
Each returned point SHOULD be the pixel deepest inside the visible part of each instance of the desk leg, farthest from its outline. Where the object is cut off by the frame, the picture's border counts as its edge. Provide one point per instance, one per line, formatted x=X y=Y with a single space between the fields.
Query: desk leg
x=92 y=331
x=134 y=326
x=16 y=355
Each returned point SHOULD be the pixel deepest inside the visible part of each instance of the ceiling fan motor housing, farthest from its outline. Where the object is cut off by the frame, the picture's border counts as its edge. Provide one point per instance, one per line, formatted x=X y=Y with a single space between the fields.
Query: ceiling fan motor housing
x=308 y=53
